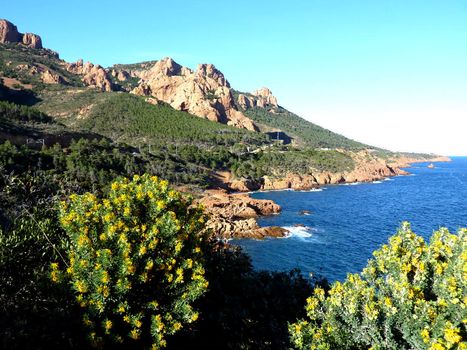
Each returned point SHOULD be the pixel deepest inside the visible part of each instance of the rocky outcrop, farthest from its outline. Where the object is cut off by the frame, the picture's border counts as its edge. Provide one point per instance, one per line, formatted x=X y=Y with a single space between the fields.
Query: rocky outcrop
x=204 y=92
x=50 y=77
x=9 y=34
x=93 y=75
x=234 y=215
x=265 y=97
x=121 y=75
x=260 y=98
x=32 y=40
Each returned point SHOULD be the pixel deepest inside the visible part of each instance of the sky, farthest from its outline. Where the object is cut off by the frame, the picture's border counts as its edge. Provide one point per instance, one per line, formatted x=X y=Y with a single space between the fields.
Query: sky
x=389 y=73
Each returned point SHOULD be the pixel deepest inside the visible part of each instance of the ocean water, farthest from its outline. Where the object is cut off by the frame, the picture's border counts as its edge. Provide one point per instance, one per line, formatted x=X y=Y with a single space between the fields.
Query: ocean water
x=347 y=223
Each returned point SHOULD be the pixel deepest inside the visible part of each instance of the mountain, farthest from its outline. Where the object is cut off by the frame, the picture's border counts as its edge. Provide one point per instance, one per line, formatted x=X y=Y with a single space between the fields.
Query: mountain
x=193 y=118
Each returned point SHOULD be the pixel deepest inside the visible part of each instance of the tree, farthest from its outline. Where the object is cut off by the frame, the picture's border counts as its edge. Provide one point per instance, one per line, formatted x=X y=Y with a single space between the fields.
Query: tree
x=412 y=295
x=135 y=262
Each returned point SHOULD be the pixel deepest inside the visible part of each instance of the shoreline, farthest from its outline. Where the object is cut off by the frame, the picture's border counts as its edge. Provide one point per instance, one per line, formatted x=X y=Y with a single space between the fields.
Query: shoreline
x=225 y=204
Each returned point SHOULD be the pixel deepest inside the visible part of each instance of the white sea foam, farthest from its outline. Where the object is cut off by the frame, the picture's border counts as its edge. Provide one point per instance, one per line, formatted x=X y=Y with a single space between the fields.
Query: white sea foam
x=388 y=179
x=352 y=183
x=299 y=232
x=312 y=190
x=377 y=182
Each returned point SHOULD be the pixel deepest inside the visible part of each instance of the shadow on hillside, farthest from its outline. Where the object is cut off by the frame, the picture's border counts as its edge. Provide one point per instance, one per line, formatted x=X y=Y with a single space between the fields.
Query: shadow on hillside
x=21 y=96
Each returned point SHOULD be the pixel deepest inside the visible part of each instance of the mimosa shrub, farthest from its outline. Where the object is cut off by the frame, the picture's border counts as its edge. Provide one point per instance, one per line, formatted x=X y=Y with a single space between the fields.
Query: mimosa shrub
x=411 y=295
x=135 y=260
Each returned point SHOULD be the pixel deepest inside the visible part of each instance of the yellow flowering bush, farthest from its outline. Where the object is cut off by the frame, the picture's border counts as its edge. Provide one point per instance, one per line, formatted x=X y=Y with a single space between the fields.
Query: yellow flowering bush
x=135 y=261
x=411 y=295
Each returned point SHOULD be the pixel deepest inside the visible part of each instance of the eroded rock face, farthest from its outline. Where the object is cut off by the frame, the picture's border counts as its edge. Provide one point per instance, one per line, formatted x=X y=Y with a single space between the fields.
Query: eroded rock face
x=260 y=98
x=32 y=40
x=205 y=92
x=93 y=75
x=265 y=97
x=9 y=34
x=234 y=215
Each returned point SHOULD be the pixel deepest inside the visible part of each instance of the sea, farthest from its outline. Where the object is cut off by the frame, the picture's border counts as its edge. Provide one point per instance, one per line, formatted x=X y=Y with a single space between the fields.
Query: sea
x=335 y=229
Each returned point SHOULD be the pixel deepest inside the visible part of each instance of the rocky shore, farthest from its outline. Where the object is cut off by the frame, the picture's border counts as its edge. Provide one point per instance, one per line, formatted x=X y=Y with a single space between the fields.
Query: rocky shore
x=233 y=215
x=367 y=168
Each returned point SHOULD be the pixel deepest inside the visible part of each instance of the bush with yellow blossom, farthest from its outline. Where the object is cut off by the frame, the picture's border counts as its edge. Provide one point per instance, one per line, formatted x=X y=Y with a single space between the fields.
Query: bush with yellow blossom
x=135 y=261
x=411 y=295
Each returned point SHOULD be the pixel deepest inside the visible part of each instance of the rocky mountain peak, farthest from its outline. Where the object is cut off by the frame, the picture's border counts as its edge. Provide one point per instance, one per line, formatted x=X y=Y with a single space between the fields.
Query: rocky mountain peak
x=9 y=34
x=210 y=71
x=204 y=93
x=167 y=66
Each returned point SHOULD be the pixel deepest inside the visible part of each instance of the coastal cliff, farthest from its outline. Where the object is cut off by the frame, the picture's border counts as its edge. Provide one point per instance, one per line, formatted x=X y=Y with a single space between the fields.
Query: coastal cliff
x=234 y=215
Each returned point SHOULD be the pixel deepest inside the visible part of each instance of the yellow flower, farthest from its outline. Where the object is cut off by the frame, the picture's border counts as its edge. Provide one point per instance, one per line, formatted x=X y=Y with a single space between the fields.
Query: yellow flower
x=81 y=286
x=126 y=211
x=135 y=333
x=121 y=309
x=425 y=335
x=189 y=263
x=452 y=335
x=107 y=325
x=437 y=346
x=105 y=277
x=54 y=276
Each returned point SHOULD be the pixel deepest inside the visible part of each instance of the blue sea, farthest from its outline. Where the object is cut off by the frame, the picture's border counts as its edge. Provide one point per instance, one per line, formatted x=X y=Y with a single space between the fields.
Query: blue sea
x=348 y=222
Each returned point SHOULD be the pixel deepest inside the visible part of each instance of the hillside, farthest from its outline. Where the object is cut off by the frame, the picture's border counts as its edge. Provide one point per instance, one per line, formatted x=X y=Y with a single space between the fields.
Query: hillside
x=190 y=118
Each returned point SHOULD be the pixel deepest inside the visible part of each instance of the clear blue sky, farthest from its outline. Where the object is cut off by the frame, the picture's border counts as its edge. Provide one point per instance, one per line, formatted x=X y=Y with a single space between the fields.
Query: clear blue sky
x=392 y=73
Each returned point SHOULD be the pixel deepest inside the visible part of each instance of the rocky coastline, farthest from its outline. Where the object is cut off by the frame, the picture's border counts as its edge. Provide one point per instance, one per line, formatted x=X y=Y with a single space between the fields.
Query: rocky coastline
x=233 y=212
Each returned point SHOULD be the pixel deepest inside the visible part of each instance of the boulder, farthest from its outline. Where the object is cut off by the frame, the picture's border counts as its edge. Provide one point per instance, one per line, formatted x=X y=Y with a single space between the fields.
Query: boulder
x=49 y=77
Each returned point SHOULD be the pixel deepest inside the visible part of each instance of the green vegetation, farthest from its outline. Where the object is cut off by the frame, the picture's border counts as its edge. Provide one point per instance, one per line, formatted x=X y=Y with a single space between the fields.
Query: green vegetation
x=134 y=261
x=279 y=163
x=13 y=55
x=129 y=118
x=302 y=131
x=35 y=310
x=412 y=295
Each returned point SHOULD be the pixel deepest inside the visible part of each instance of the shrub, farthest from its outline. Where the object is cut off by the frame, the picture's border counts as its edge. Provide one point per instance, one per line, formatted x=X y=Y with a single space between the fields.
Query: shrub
x=135 y=261
x=412 y=295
